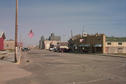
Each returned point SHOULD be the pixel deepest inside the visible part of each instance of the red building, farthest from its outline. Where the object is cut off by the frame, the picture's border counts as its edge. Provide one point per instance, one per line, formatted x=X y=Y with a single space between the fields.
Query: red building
x=2 y=37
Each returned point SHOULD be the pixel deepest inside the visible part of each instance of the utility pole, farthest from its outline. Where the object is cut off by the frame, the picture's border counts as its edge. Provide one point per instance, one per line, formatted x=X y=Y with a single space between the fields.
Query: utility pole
x=71 y=33
x=16 y=33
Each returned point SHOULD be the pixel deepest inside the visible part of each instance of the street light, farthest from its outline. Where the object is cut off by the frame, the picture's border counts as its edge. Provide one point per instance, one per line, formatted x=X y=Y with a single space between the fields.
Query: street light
x=16 y=33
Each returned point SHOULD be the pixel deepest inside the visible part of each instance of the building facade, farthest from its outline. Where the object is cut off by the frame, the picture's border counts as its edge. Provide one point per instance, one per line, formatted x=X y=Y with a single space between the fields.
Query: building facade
x=48 y=43
x=115 y=45
x=9 y=44
x=88 y=43
x=97 y=43
x=2 y=38
x=51 y=41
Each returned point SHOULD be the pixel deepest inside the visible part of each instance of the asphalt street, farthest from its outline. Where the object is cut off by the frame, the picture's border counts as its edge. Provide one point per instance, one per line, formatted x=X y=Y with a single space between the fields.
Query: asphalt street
x=66 y=68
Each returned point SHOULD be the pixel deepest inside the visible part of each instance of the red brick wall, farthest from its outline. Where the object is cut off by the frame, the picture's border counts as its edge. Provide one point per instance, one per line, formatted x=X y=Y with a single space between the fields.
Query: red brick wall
x=1 y=43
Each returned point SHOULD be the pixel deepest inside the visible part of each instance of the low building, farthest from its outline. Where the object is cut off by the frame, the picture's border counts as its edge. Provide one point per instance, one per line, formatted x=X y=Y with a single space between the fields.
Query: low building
x=97 y=43
x=9 y=44
x=51 y=41
x=48 y=43
x=88 y=43
x=115 y=45
x=2 y=38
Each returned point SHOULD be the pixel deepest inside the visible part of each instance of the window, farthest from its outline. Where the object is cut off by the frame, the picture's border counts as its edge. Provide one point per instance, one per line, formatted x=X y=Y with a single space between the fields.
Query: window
x=109 y=43
x=99 y=39
x=119 y=43
x=120 y=48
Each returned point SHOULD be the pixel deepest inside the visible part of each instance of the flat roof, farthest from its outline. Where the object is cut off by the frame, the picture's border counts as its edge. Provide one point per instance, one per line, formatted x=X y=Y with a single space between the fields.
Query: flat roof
x=116 y=39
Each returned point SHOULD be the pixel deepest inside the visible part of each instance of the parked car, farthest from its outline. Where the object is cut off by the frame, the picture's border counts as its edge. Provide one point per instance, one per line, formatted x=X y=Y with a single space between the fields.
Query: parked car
x=25 y=49
x=51 y=49
x=63 y=49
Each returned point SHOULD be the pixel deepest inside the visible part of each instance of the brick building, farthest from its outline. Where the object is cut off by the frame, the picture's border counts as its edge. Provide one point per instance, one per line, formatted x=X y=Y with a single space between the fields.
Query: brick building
x=88 y=43
x=97 y=43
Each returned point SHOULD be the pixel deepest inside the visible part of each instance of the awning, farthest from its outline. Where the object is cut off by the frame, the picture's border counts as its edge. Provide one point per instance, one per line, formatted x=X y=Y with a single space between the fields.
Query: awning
x=84 y=45
x=98 y=45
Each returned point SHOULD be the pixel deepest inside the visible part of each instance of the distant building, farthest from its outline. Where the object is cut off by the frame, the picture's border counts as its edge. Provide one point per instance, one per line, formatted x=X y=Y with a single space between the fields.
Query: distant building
x=41 y=43
x=88 y=43
x=48 y=43
x=9 y=44
x=2 y=38
x=51 y=41
x=52 y=37
x=115 y=45
x=97 y=43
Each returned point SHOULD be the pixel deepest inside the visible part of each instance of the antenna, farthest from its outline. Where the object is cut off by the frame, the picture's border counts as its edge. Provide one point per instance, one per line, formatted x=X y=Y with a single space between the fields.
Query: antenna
x=71 y=33
x=83 y=29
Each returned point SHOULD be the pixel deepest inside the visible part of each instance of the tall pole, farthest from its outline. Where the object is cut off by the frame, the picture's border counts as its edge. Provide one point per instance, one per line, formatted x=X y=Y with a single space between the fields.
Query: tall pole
x=16 y=32
x=71 y=33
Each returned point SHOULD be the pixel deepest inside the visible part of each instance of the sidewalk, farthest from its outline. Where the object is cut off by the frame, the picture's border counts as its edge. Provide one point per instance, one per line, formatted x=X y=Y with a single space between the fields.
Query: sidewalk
x=9 y=70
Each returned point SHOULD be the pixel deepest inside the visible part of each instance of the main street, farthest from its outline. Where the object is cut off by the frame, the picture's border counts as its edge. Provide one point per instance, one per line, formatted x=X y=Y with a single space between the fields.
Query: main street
x=45 y=67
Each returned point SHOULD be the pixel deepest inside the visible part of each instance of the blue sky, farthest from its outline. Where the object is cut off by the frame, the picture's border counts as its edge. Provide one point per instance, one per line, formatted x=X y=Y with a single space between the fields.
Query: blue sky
x=62 y=16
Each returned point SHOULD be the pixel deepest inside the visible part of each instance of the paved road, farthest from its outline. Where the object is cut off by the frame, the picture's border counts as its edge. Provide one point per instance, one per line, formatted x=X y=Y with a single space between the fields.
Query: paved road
x=62 y=68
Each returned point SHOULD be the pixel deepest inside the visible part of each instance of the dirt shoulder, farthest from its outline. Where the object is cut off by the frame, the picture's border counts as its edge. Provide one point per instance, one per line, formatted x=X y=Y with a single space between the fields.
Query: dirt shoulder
x=10 y=71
